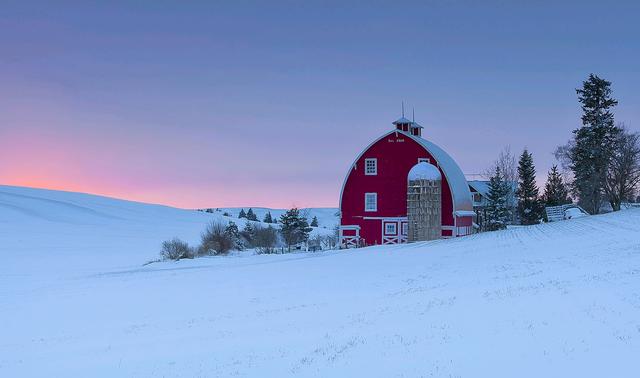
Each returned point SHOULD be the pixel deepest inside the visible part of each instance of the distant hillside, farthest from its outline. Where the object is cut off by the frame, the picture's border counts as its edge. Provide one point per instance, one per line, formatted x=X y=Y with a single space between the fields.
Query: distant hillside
x=327 y=216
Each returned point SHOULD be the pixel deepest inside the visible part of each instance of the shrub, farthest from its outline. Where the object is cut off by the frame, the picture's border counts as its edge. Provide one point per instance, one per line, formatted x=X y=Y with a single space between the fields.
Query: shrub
x=265 y=239
x=176 y=249
x=215 y=240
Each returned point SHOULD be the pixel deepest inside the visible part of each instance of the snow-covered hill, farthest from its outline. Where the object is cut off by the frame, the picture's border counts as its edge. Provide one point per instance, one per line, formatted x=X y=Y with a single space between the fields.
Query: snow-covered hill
x=90 y=230
x=327 y=216
x=553 y=300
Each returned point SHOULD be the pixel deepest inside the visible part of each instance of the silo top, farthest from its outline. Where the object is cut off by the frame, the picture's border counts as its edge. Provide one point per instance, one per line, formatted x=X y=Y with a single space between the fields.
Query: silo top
x=424 y=171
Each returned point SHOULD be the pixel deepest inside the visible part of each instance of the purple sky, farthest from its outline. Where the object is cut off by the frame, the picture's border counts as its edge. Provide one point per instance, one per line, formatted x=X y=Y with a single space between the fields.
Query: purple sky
x=247 y=103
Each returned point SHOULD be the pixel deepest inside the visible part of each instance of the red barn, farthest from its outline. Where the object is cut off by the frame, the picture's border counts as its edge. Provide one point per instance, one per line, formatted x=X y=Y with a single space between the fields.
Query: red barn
x=373 y=200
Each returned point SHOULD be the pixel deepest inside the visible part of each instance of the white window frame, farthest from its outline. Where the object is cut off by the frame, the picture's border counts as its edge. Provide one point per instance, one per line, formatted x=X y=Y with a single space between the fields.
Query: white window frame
x=375 y=202
x=374 y=172
x=392 y=232
x=405 y=228
x=424 y=160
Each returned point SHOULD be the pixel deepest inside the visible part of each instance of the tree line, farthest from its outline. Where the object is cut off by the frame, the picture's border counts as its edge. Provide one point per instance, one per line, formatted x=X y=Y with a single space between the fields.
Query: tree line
x=219 y=238
x=602 y=160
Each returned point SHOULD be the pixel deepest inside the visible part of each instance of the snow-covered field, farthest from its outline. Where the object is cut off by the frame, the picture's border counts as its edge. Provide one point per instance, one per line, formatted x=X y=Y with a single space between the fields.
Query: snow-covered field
x=554 y=300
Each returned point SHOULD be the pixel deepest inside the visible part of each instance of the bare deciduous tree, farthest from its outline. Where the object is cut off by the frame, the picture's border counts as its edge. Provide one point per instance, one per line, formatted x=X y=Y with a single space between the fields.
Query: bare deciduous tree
x=215 y=240
x=508 y=167
x=623 y=174
x=265 y=239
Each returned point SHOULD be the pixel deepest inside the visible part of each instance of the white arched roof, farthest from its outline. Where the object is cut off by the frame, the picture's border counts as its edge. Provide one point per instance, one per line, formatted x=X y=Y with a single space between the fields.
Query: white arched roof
x=460 y=193
x=457 y=182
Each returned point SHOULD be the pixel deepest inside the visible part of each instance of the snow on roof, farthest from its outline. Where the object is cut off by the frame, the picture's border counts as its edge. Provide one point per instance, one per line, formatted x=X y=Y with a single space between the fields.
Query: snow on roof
x=416 y=125
x=424 y=171
x=401 y=120
x=480 y=186
x=457 y=182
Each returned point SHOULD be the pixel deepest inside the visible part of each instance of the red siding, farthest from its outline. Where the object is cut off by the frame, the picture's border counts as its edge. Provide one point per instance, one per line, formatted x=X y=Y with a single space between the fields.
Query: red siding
x=396 y=155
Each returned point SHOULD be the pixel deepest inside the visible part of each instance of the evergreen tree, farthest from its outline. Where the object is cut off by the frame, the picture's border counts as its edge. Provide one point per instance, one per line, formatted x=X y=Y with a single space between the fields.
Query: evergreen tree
x=234 y=234
x=294 y=228
x=251 y=215
x=529 y=206
x=248 y=232
x=555 y=190
x=498 y=213
x=314 y=222
x=591 y=150
x=242 y=214
x=268 y=218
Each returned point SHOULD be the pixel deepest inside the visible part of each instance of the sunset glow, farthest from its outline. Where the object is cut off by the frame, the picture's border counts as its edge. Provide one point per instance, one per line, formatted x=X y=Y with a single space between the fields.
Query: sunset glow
x=181 y=107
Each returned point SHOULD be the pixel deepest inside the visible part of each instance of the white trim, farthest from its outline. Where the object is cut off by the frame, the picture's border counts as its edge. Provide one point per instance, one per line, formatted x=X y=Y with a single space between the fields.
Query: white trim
x=394 y=239
x=368 y=209
x=348 y=241
x=464 y=213
x=464 y=230
x=394 y=231
x=375 y=166
x=386 y=218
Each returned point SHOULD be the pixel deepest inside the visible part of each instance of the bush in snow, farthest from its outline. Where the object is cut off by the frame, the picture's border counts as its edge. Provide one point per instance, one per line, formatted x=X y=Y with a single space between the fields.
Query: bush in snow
x=176 y=249
x=265 y=239
x=215 y=240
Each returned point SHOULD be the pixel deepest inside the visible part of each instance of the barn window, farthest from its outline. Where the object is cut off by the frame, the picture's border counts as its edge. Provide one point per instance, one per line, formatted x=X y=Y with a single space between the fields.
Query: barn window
x=424 y=160
x=390 y=228
x=371 y=167
x=405 y=226
x=371 y=202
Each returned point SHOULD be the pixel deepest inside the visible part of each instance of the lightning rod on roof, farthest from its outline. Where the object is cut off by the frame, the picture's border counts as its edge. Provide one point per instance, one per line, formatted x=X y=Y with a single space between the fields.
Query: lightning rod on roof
x=403 y=109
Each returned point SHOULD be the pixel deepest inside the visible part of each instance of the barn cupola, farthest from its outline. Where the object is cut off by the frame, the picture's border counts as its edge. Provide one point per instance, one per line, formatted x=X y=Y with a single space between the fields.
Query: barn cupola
x=403 y=124
x=416 y=129
x=411 y=127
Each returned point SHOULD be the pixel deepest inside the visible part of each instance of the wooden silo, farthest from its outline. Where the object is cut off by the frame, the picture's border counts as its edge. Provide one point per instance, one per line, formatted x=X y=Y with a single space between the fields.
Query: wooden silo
x=424 y=202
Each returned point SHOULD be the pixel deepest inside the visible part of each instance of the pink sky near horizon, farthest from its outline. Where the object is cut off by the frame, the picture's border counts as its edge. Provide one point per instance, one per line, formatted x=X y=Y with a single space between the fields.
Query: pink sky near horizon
x=172 y=103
